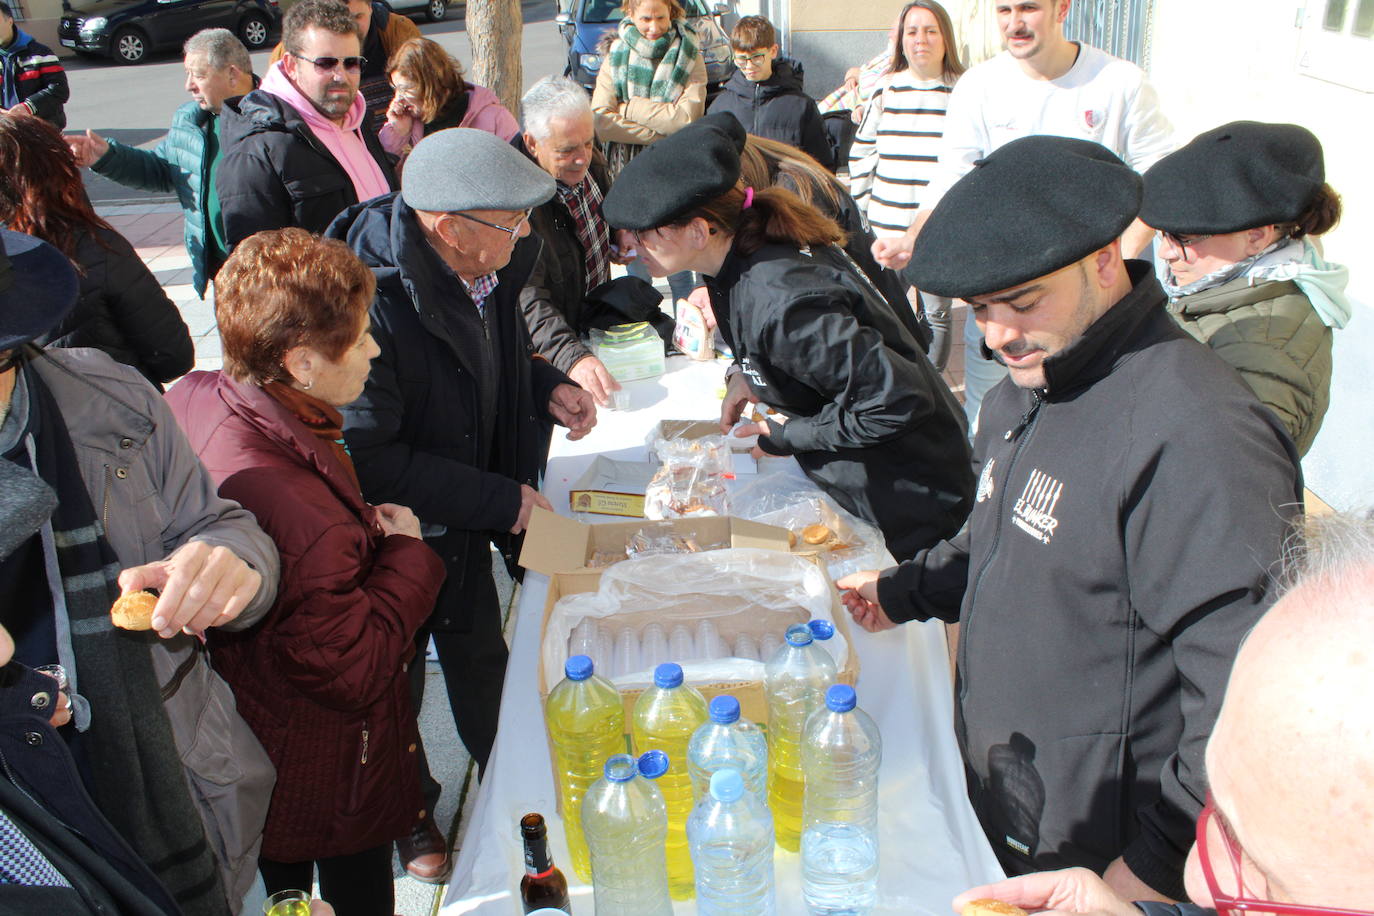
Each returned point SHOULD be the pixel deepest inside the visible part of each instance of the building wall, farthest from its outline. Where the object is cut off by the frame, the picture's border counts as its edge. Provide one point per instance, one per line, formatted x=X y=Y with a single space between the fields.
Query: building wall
x=40 y=19
x=1227 y=60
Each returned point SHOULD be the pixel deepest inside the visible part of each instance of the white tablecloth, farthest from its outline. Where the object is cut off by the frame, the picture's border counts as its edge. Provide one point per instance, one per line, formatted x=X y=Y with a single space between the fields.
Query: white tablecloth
x=931 y=845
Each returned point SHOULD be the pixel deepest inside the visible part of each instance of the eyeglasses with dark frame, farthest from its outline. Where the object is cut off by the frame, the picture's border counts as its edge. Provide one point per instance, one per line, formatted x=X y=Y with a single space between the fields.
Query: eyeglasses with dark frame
x=742 y=59
x=512 y=231
x=1185 y=241
x=1234 y=904
x=328 y=64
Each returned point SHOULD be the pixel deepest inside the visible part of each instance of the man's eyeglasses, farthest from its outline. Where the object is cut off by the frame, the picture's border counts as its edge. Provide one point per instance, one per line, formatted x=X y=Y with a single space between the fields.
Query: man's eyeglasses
x=513 y=231
x=329 y=64
x=1211 y=824
x=743 y=59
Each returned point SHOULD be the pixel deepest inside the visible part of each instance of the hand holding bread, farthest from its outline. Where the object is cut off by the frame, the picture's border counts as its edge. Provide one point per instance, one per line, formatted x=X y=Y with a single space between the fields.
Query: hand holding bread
x=1070 y=890
x=201 y=587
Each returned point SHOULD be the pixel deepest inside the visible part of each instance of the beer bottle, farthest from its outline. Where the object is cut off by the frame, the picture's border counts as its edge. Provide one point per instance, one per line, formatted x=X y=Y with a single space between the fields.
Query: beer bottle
x=543 y=885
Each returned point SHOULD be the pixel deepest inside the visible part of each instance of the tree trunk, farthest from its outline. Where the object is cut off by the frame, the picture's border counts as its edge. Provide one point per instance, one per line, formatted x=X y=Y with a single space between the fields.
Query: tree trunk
x=494 y=28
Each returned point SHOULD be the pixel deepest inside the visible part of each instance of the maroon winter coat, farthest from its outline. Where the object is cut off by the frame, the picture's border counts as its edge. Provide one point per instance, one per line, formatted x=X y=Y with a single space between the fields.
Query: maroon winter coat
x=321 y=680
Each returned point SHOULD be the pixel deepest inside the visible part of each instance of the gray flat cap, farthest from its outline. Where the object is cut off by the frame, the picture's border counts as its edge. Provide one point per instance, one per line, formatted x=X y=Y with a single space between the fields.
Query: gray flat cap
x=465 y=169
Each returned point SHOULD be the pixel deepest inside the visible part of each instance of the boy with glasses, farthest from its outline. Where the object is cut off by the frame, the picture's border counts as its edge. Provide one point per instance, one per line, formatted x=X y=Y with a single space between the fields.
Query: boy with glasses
x=297 y=151
x=765 y=93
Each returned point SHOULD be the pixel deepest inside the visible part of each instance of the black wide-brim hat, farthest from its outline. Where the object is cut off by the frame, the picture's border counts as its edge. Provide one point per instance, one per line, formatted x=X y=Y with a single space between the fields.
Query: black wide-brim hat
x=1030 y=208
x=674 y=176
x=38 y=287
x=1234 y=177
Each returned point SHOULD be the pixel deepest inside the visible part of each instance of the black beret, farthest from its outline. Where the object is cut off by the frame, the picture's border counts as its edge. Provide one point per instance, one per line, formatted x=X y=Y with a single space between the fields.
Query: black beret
x=38 y=287
x=1237 y=176
x=673 y=177
x=1032 y=207
x=728 y=125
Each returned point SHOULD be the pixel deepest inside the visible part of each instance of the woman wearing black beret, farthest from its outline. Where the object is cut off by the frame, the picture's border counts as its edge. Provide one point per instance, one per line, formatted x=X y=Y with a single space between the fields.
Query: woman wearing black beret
x=1236 y=209
x=860 y=406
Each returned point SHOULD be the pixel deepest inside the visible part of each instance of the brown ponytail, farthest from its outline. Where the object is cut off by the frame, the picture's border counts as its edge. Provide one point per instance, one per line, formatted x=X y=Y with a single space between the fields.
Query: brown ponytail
x=1321 y=216
x=771 y=163
x=775 y=216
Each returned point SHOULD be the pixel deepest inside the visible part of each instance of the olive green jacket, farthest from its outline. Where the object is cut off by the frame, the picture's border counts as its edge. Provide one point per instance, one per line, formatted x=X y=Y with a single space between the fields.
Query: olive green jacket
x=1273 y=337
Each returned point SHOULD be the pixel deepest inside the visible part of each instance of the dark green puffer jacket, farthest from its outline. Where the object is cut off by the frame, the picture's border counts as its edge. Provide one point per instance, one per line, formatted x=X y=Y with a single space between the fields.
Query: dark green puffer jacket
x=1273 y=337
x=176 y=164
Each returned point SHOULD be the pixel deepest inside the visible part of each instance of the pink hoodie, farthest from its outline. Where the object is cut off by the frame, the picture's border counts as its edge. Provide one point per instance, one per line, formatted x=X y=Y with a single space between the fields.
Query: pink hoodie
x=344 y=143
x=485 y=112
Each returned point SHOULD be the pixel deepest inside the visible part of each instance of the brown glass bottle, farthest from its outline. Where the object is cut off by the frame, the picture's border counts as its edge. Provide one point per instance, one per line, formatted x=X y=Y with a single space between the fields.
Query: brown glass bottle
x=543 y=885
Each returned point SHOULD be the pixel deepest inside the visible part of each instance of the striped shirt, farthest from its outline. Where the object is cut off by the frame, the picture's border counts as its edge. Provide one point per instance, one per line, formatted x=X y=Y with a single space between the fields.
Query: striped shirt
x=896 y=150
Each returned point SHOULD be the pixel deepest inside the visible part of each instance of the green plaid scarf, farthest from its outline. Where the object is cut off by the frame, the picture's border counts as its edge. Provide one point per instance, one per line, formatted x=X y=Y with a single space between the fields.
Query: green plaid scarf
x=656 y=70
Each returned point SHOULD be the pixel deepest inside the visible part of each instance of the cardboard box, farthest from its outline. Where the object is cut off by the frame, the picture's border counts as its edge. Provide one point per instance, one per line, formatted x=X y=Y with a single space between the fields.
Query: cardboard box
x=611 y=487
x=700 y=429
x=555 y=543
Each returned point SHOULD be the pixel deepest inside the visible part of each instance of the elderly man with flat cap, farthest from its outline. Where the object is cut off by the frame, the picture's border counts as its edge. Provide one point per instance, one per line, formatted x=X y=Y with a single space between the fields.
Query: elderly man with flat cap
x=457 y=413
x=1132 y=498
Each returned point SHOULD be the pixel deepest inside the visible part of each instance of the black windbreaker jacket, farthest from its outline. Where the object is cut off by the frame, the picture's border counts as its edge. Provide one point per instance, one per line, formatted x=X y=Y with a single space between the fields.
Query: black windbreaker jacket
x=1127 y=520
x=778 y=109
x=869 y=419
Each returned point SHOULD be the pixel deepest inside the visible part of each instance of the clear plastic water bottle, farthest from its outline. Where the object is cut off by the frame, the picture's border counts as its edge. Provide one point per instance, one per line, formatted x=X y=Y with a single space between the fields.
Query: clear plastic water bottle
x=665 y=717
x=626 y=824
x=795 y=680
x=841 y=753
x=728 y=740
x=586 y=721
x=731 y=835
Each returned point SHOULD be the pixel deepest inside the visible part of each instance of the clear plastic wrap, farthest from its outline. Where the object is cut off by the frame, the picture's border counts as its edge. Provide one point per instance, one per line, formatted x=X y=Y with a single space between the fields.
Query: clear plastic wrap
x=691 y=480
x=846 y=543
x=745 y=595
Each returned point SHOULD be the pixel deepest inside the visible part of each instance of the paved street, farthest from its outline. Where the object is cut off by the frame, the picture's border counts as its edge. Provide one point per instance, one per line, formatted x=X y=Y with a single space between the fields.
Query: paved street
x=135 y=104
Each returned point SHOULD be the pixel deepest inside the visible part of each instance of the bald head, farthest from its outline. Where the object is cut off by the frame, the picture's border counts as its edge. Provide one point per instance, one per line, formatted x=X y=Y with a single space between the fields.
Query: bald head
x=1291 y=760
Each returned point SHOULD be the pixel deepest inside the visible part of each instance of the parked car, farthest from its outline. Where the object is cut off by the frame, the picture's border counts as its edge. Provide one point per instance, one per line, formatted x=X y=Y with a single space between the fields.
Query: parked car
x=434 y=10
x=128 y=30
x=584 y=22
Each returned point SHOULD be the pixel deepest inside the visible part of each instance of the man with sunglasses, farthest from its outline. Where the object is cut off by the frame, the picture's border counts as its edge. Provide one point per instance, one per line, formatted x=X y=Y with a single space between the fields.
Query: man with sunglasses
x=457 y=412
x=297 y=151
x=1285 y=829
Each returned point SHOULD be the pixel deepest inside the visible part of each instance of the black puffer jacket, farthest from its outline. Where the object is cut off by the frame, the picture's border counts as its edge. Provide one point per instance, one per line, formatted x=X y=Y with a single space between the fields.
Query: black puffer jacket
x=1127 y=523
x=869 y=419
x=552 y=300
x=123 y=311
x=778 y=109
x=419 y=435
x=275 y=172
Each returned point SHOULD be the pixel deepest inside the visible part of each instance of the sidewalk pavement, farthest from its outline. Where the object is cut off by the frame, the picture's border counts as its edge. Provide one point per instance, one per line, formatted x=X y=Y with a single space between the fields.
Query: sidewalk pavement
x=155 y=231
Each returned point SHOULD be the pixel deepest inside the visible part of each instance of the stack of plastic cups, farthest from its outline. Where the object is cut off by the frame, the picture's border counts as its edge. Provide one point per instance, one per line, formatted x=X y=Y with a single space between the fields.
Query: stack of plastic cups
x=665 y=716
x=586 y=721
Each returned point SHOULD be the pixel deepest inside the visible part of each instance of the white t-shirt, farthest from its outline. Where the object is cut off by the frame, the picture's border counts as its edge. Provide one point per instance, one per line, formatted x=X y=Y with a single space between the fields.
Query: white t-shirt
x=1102 y=98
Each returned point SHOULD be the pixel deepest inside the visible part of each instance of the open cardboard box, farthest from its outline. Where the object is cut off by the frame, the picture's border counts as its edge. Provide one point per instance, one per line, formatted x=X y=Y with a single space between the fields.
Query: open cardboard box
x=556 y=544
x=740 y=447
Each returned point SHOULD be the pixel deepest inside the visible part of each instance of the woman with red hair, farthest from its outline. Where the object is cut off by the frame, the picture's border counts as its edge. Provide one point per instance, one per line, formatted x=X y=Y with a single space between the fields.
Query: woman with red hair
x=121 y=308
x=322 y=679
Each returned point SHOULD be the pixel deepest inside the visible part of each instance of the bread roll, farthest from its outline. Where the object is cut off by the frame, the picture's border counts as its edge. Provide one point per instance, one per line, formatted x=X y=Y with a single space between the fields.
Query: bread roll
x=134 y=611
x=816 y=534
x=989 y=907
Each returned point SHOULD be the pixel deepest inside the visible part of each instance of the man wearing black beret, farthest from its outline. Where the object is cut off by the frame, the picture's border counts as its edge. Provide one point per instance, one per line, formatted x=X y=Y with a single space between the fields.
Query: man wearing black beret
x=1132 y=497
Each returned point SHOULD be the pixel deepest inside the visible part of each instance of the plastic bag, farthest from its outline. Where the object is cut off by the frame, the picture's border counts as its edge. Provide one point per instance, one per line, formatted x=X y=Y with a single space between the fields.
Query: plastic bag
x=795 y=503
x=691 y=480
x=743 y=592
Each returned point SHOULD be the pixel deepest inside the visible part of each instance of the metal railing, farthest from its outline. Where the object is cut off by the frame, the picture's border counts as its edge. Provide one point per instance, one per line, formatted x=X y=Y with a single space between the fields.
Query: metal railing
x=1120 y=27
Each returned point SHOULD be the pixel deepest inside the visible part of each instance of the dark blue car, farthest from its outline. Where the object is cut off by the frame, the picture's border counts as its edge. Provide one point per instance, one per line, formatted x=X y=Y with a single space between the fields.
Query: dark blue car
x=584 y=22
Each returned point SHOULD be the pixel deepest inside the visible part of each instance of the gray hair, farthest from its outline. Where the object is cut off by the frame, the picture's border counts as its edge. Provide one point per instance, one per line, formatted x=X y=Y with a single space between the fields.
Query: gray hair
x=221 y=48
x=1330 y=549
x=552 y=97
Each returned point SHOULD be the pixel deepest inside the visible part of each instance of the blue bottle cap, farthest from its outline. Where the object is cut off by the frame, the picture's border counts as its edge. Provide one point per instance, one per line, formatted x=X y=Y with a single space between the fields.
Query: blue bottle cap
x=727 y=784
x=668 y=675
x=799 y=634
x=620 y=768
x=578 y=668
x=840 y=698
x=822 y=629
x=653 y=764
x=724 y=709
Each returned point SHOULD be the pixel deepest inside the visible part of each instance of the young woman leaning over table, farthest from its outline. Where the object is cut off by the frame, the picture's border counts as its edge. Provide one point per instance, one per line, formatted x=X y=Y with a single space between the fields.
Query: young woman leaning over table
x=861 y=409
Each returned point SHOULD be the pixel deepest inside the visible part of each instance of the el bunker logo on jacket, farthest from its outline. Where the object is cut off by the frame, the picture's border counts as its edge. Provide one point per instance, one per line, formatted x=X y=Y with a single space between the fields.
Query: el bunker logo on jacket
x=1034 y=509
